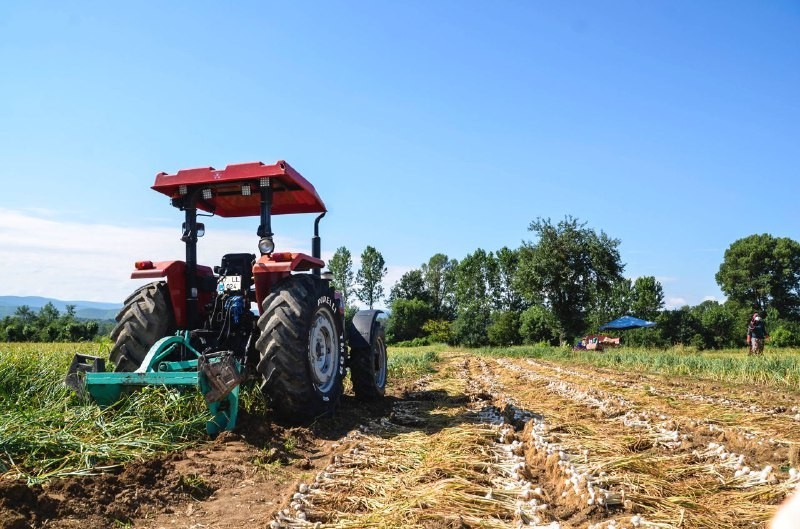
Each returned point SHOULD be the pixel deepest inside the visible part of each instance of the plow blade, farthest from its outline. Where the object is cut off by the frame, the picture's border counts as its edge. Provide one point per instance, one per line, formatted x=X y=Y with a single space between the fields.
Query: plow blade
x=217 y=377
x=107 y=388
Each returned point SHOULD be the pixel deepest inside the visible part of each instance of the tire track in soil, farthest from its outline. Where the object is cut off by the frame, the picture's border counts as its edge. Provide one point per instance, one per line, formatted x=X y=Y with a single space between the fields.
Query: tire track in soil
x=457 y=451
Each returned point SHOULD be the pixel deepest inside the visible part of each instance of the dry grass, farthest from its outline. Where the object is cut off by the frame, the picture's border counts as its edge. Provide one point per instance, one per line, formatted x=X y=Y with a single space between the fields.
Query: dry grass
x=669 y=486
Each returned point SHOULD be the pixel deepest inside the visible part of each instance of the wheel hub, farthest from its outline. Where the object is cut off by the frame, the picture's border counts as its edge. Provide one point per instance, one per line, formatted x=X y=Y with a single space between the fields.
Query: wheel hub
x=323 y=352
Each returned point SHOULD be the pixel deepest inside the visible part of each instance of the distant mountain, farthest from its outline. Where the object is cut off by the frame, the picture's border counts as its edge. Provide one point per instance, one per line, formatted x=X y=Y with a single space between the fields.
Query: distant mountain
x=90 y=310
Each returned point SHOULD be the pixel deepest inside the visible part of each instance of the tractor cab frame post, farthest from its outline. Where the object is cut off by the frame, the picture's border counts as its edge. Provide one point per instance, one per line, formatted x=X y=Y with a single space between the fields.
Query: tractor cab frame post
x=265 y=228
x=188 y=204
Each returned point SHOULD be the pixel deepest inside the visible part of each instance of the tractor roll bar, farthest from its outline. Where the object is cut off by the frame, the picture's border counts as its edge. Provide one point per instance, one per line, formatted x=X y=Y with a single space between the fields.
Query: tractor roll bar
x=265 y=229
x=189 y=205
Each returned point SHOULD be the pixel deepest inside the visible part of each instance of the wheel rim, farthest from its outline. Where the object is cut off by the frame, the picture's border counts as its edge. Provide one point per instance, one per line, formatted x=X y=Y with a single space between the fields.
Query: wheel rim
x=379 y=362
x=323 y=352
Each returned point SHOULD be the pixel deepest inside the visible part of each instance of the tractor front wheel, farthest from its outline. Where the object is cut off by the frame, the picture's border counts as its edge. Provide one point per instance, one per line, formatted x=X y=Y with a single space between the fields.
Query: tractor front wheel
x=300 y=348
x=368 y=366
x=146 y=317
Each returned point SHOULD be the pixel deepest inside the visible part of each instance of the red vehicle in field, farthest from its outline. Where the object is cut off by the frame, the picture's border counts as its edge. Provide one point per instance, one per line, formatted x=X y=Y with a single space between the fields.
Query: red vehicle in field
x=195 y=318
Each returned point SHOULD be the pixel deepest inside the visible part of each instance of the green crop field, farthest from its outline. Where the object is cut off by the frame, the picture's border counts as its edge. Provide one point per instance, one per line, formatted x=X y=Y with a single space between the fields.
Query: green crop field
x=46 y=431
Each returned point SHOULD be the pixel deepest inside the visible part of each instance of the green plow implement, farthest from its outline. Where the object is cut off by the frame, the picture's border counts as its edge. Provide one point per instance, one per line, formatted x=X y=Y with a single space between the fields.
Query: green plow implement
x=216 y=375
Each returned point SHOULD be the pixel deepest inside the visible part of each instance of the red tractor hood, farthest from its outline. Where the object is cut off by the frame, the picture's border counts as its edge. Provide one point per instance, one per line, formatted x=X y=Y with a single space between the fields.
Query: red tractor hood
x=291 y=192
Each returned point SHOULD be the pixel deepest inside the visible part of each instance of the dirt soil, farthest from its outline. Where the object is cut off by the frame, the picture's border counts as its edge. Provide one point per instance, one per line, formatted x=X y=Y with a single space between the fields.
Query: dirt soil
x=481 y=443
x=239 y=479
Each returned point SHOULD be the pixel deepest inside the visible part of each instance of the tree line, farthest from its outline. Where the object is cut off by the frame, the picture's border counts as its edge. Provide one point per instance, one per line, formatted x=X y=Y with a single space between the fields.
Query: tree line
x=49 y=325
x=561 y=286
x=568 y=282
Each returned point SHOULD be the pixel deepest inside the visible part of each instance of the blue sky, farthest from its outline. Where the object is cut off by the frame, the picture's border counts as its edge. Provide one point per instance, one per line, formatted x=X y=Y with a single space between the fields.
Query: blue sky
x=425 y=126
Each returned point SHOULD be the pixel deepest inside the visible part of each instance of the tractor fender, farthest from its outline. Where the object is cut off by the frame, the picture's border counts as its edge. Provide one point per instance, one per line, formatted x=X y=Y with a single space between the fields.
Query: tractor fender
x=175 y=272
x=365 y=323
x=269 y=269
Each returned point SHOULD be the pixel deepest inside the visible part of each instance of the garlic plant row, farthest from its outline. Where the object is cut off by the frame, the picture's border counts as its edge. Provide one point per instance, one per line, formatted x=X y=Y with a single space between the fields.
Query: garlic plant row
x=531 y=505
x=302 y=502
x=664 y=433
x=575 y=482
x=717 y=400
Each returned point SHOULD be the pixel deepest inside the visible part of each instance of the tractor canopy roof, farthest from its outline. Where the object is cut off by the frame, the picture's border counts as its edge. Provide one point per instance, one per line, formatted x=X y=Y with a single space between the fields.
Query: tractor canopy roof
x=235 y=189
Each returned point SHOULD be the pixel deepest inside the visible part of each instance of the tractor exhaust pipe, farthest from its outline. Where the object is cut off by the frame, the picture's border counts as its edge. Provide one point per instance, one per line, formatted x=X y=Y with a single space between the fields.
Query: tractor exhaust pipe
x=316 y=243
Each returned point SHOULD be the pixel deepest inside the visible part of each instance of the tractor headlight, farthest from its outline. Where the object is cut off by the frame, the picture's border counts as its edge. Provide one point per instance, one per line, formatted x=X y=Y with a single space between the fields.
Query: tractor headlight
x=266 y=246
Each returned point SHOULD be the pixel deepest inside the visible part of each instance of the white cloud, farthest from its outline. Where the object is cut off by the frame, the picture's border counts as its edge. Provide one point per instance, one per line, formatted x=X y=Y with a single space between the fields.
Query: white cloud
x=711 y=298
x=393 y=275
x=675 y=302
x=71 y=260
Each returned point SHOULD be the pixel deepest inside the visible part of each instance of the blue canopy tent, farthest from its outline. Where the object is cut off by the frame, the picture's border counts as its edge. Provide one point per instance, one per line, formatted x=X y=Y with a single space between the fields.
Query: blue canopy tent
x=627 y=322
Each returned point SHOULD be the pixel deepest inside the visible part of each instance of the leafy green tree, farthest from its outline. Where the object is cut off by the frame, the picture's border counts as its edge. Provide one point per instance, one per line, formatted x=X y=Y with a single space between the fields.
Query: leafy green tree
x=410 y=286
x=30 y=333
x=407 y=319
x=719 y=325
x=504 y=329
x=370 y=276
x=25 y=314
x=565 y=268
x=47 y=315
x=438 y=331
x=538 y=324
x=341 y=266
x=711 y=325
x=91 y=329
x=439 y=276
x=675 y=327
x=610 y=305
x=508 y=298
x=471 y=325
x=48 y=325
x=476 y=278
x=647 y=297
x=642 y=338
x=784 y=334
x=13 y=331
x=762 y=271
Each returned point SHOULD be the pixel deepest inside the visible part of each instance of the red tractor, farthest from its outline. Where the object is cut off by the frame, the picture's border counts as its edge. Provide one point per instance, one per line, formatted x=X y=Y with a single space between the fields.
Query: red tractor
x=194 y=326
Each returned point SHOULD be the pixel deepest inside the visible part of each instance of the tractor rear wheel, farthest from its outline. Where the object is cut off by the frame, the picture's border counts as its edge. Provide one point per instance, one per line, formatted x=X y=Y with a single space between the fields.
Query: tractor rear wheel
x=368 y=366
x=146 y=316
x=300 y=348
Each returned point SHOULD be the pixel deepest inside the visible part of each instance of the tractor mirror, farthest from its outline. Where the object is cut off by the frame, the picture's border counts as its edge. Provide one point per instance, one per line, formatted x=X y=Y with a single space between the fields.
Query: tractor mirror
x=199 y=226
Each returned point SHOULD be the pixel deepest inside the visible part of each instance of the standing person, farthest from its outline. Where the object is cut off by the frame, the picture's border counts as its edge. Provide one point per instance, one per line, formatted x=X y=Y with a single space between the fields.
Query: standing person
x=756 y=335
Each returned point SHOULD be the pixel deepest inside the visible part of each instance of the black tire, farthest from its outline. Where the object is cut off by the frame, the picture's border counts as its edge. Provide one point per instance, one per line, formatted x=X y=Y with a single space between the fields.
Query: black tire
x=368 y=366
x=146 y=317
x=300 y=348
